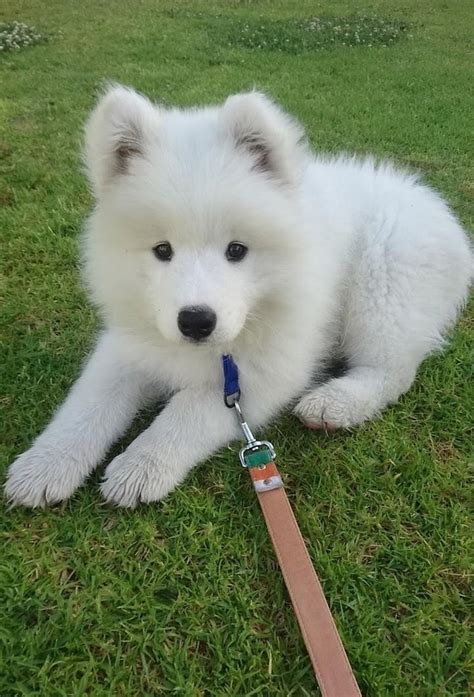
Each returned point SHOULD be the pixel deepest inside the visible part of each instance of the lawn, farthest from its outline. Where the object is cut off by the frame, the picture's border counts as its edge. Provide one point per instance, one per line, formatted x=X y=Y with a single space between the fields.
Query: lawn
x=185 y=597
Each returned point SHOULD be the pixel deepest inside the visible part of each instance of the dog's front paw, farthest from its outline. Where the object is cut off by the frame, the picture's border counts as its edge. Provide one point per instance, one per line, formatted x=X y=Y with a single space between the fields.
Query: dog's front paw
x=138 y=476
x=41 y=476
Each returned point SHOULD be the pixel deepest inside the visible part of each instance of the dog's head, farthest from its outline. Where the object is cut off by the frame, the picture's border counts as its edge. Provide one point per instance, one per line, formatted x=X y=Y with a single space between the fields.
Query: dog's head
x=197 y=213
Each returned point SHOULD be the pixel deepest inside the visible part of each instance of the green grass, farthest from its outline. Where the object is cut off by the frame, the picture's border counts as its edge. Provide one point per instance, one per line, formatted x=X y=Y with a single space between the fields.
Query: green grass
x=185 y=597
x=17 y=35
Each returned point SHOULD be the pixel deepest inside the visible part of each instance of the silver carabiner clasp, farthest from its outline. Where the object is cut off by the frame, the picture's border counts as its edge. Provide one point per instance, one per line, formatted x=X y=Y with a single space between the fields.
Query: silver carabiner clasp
x=249 y=437
x=256 y=452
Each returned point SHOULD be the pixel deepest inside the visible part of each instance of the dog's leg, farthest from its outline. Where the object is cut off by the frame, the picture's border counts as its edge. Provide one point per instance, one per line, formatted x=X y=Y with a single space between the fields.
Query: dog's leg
x=99 y=408
x=190 y=428
x=404 y=293
x=357 y=396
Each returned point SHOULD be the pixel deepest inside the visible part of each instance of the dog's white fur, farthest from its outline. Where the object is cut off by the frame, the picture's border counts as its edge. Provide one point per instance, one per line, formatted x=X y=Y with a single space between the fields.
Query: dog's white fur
x=345 y=256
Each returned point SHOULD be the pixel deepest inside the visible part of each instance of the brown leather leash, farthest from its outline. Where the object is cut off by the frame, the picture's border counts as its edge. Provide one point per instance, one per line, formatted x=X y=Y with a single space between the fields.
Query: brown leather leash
x=328 y=657
x=326 y=651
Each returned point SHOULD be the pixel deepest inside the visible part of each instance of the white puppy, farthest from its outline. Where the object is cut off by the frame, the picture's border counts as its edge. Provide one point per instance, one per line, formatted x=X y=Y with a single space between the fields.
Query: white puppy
x=216 y=230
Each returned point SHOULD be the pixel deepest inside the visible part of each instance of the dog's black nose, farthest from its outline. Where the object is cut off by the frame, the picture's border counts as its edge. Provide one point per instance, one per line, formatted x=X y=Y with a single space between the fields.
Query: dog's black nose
x=197 y=322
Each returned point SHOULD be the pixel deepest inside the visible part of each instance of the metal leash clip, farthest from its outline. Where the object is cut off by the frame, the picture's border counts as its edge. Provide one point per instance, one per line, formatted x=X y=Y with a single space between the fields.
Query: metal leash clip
x=256 y=452
x=258 y=455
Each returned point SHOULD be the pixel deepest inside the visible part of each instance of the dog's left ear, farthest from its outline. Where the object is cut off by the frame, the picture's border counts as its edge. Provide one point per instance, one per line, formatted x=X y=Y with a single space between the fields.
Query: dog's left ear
x=265 y=132
x=117 y=133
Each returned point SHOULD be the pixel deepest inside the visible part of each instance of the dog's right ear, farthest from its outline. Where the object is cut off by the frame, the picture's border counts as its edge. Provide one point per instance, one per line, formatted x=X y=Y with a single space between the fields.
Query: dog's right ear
x=117 y=132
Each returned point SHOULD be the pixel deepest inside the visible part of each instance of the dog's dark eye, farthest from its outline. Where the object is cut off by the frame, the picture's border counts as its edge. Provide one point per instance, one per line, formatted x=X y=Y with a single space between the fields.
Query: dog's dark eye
x=163 y=251
x=236 y=251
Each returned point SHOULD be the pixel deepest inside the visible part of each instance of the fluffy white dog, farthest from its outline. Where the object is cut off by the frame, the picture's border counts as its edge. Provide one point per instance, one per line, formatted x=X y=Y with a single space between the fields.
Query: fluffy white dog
x=216 y=230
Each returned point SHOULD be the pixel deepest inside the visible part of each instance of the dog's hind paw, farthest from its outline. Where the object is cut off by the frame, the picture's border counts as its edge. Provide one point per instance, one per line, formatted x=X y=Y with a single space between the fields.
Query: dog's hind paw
x=340 y=403
x=41 y=477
